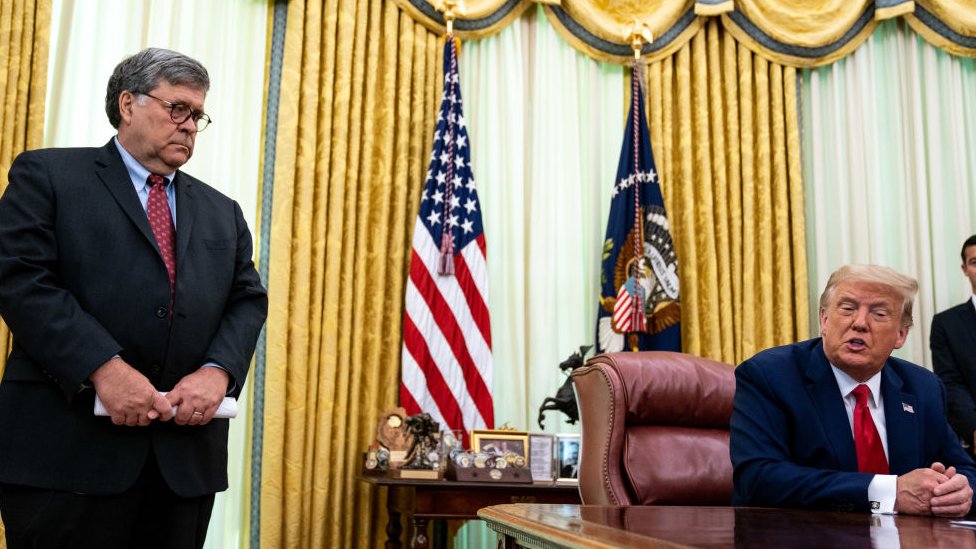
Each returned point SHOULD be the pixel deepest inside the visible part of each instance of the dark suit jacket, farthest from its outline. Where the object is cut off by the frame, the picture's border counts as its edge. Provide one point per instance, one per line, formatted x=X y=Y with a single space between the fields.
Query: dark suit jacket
x=953 y=344
x=791 y=443
x=81 y=280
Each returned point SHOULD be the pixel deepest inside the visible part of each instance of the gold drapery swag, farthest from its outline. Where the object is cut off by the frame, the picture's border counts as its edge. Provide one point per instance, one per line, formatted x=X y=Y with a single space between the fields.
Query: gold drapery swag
x=796 y=33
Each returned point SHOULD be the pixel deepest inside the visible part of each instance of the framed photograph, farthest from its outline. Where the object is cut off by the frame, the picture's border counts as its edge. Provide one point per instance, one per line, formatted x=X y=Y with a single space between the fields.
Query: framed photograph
x=542 y=452
x=567 y=456
x=501 y=442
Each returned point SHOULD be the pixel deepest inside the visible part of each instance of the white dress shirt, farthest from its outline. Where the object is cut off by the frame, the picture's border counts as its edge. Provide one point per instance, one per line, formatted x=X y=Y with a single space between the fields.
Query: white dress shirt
x=883 y=488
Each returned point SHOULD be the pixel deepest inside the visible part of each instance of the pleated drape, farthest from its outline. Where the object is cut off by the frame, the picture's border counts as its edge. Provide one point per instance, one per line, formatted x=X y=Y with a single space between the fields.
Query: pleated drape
x=359 y=82
x=24 y=33
x=725 y=132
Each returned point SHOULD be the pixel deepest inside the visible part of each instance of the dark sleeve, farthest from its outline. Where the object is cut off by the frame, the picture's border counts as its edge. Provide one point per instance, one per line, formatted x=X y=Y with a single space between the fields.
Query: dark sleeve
x=764 y=471
x=247 y=308
x=951 y=453
x=962 y=407
x=62 y=340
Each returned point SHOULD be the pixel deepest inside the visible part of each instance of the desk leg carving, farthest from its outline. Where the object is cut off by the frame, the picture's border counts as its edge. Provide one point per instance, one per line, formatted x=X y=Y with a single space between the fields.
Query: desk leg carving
x=420 y=540
x=393 y=530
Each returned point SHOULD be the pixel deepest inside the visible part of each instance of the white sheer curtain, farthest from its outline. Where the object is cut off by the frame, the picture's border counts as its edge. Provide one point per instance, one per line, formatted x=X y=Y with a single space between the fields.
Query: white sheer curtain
x=89 y=37
x=544 y=155
x=889 y=135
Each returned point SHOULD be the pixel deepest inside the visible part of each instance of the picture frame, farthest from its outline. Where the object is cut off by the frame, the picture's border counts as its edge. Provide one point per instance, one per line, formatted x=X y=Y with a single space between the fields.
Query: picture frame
x=498 y=442
x=542 y=454
x=567 y=457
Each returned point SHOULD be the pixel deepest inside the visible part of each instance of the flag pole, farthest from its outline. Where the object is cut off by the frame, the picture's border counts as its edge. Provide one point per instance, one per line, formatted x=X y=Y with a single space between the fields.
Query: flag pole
x=449 y=9
x=639 y=33
x=445 y=262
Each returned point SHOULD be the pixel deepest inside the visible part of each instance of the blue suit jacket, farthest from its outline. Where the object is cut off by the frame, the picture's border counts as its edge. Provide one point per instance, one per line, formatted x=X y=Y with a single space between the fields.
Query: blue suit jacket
x=791 y=443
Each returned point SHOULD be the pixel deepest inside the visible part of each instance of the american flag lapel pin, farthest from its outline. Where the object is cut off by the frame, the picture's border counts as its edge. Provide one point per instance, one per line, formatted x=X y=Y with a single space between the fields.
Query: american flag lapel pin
x=907 y=407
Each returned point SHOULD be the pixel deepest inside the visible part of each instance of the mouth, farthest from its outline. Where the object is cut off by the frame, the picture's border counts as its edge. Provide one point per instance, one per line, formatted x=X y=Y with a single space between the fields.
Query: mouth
x=856 y=344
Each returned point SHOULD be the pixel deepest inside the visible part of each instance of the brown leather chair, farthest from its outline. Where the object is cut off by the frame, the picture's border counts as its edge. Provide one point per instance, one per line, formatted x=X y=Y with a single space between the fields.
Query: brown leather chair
x=655 y=429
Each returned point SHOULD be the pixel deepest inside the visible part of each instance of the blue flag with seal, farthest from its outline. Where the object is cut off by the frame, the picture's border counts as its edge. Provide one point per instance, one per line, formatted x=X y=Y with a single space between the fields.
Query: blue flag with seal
x=639 y=306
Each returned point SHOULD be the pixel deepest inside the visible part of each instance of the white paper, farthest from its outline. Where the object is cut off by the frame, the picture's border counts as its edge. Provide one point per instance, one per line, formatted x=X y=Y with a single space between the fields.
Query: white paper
x=226 y=410
x=541 y=457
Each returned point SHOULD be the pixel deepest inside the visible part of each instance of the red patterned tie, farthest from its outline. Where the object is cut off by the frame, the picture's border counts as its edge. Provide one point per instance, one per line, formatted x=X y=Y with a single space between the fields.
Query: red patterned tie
x=161 y=222
x=870 y=452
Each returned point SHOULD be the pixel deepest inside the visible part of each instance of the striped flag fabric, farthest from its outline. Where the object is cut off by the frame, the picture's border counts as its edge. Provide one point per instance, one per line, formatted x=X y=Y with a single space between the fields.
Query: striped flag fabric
x=640 y=309
x=446 y=358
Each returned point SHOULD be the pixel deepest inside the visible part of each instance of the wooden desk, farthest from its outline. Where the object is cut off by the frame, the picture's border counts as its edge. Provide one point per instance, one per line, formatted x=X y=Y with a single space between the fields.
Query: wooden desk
x=578 y=526
x=426 y=500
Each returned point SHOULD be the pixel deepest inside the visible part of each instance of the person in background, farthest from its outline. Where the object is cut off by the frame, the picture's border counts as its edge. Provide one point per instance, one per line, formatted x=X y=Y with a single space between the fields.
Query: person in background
x=953 y=344
x=122 y=277
x=837 y=423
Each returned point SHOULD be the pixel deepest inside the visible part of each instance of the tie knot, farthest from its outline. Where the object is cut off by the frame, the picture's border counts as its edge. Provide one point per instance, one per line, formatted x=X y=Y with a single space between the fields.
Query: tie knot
x=861 y=393
x=157 y=180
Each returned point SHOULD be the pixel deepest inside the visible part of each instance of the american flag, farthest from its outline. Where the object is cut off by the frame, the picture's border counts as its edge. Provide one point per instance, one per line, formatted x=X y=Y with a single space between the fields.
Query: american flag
x=446 y=330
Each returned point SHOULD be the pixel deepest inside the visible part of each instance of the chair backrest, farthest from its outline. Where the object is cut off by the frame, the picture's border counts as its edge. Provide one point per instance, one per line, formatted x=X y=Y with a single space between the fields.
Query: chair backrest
x=655 y=429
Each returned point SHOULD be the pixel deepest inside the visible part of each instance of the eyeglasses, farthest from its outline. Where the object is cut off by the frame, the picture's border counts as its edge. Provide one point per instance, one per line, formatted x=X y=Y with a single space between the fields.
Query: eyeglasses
x=180 y=113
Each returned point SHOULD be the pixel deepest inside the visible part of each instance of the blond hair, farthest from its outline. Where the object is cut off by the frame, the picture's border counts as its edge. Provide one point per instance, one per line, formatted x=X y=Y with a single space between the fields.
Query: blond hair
x=904 y=285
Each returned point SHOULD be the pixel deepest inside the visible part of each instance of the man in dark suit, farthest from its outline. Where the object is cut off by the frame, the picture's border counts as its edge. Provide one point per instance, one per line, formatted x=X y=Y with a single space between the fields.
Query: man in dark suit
x=122 y=277
x=953 y=344
x=837 y=423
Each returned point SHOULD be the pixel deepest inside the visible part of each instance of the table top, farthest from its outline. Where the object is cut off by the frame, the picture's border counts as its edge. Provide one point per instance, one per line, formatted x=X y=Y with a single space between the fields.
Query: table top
x=572 y=526
x=443 y=483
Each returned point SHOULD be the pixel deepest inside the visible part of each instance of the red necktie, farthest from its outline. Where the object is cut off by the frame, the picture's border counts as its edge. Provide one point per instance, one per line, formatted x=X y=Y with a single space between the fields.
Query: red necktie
x=161 y=222
x=870 y=452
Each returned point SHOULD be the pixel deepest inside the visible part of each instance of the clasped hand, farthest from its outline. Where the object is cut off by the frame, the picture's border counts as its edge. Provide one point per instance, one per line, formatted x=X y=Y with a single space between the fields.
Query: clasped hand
x=934 y=491
x=130 y=399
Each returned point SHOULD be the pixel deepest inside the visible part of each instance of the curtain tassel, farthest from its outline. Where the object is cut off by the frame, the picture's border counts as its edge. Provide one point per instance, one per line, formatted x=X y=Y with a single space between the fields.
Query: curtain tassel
x=445 y=264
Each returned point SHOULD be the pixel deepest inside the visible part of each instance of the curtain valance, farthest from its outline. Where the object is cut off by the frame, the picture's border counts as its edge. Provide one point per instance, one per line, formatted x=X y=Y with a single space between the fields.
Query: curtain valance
x=799 y=33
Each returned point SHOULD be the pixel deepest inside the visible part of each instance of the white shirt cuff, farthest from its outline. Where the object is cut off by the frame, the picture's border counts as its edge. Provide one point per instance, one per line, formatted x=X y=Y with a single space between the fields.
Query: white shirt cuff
x=881 y=494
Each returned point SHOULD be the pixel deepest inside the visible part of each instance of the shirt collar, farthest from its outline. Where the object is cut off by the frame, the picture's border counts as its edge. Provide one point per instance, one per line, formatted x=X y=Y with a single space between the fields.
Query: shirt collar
x=973 y=299
x=137 y=172
x=848 y=383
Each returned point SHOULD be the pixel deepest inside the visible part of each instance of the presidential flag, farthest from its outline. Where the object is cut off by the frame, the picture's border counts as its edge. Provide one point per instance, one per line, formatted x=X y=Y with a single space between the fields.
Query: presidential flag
x=639 y=306
x=446 y=330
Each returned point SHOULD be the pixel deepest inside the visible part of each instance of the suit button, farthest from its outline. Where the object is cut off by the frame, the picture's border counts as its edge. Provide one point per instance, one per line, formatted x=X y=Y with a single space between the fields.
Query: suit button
x=154 y=368
x=161 y=312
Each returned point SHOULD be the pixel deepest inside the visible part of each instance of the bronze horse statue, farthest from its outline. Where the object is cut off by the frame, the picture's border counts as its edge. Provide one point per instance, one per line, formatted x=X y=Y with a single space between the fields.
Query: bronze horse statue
x=565 y=399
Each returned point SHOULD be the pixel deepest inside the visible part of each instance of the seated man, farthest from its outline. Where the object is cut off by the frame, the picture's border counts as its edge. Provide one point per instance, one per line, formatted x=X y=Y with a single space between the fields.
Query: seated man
x=837 y=423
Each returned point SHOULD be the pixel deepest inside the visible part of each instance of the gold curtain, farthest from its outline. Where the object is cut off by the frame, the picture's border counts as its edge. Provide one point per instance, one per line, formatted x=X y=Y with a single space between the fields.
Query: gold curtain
x=360 y=85
x=799 y=33
x=725 y=132
x=24 y=32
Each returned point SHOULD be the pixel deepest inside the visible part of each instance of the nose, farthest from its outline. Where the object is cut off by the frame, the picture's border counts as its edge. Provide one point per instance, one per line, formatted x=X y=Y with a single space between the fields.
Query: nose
x=188 y=125
x=860 y=320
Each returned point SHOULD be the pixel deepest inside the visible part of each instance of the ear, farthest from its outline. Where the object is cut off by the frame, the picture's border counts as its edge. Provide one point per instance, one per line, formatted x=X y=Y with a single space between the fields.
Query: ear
x=823 y=319
x=126 y=101
x=902 y=336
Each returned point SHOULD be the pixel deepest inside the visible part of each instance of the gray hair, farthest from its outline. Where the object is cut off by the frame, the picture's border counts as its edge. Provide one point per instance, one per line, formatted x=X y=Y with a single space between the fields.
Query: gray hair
x=904 y=285
x=141 y=73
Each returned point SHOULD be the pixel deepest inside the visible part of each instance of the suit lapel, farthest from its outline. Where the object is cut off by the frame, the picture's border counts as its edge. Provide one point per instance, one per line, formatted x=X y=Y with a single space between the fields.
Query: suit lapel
x=186 y=211
x=901 y=422
x=826 y=396
x=116 y=178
